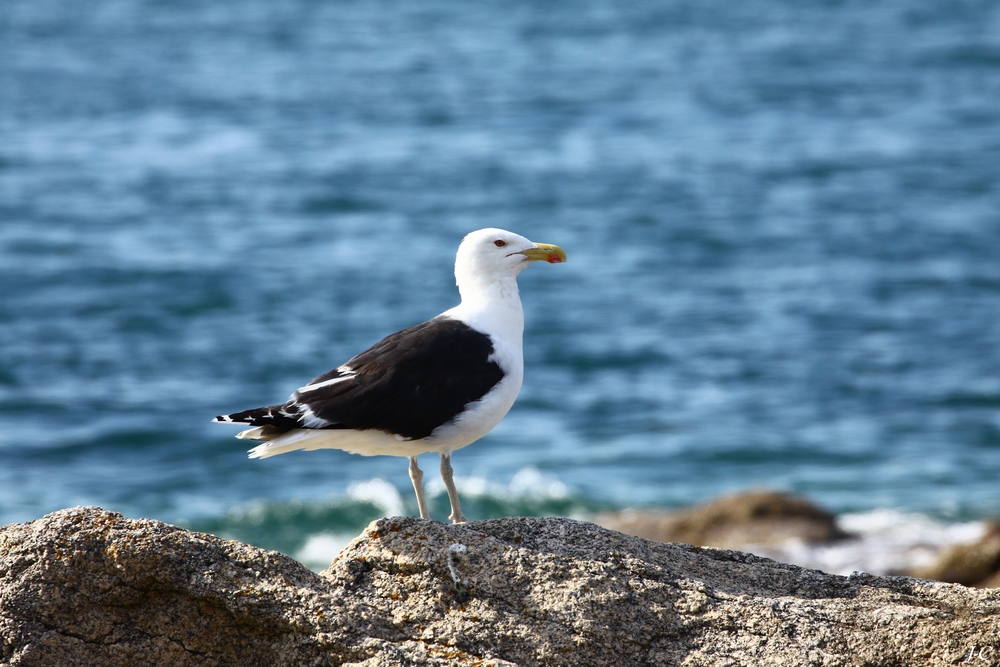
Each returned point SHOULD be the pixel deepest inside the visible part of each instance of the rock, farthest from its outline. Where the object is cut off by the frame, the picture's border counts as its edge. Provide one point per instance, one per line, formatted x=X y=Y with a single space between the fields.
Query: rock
x=992 y=581
x=976 y=564
x=89 y=587
x=732 y=522
x=85 y=586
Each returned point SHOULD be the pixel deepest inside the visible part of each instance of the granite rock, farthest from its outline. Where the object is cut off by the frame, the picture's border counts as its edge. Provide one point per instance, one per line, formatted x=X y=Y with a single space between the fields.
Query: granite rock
x=85 y=586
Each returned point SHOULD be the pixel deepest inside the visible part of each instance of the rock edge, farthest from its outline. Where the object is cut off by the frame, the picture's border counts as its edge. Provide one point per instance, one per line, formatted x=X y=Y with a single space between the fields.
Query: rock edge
x=85 y=586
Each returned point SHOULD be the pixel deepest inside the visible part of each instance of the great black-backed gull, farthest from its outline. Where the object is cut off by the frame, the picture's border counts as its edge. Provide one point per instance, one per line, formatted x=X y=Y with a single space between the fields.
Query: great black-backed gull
x=433 y=387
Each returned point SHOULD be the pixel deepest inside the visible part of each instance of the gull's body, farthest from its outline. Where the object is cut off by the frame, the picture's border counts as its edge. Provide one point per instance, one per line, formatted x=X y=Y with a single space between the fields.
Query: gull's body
x=434 y=387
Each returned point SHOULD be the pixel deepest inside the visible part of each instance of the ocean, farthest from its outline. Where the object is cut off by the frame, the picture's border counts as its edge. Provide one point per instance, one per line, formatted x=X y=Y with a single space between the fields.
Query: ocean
x=782 y=222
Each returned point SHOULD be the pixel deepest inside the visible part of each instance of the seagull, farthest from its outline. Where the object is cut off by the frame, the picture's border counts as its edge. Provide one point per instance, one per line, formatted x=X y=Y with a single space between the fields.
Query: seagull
x=433 y=387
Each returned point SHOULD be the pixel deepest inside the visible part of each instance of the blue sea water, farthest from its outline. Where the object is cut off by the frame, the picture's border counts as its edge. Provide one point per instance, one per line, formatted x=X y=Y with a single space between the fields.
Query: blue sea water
x=782 y=222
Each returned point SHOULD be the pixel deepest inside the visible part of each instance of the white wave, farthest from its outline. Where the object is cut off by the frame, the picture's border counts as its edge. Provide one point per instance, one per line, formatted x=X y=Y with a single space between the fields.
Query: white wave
x=380 y=493
x=887 y=541
x=320 y=549
x=528 y=482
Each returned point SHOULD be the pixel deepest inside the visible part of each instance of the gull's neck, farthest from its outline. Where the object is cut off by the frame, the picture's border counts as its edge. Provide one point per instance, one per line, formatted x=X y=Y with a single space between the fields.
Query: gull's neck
x=492 y=306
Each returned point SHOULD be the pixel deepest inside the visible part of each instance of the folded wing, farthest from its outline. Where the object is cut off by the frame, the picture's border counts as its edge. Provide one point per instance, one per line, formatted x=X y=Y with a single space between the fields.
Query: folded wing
x=407 y=384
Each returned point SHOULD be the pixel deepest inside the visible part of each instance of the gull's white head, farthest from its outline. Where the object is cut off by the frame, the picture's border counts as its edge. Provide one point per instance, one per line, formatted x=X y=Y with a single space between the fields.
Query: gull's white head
x=491 y=255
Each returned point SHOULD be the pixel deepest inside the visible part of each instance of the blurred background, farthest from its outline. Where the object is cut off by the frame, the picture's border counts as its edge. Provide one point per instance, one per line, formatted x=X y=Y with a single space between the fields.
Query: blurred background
x=782 y=222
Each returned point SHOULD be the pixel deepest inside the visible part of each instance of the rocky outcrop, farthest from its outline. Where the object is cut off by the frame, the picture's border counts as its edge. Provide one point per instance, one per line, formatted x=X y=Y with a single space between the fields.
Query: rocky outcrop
x=88 y=587
x=732 y=522
x=976 y=564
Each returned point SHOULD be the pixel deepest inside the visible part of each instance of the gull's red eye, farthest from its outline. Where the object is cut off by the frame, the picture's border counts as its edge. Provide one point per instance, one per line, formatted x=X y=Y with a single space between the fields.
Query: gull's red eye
x=499 y=243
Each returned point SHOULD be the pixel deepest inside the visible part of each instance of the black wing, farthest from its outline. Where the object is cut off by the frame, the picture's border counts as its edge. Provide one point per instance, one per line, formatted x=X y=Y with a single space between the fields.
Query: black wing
x=407 y=384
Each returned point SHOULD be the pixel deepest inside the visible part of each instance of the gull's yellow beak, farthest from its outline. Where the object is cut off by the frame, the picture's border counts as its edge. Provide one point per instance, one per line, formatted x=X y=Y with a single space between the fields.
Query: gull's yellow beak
x=552 y=254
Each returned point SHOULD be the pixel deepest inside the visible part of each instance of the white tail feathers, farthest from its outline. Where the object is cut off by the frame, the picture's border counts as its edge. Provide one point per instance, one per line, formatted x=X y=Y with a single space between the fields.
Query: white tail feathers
x=286 y=442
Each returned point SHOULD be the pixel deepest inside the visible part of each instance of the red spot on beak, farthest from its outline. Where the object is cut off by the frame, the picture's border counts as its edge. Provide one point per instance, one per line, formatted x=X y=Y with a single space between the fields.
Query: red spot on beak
x=553 y=258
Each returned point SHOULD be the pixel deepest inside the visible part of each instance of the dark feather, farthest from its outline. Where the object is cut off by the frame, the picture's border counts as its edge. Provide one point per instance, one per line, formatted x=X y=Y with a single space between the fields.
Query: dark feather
x=407 y=384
